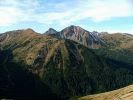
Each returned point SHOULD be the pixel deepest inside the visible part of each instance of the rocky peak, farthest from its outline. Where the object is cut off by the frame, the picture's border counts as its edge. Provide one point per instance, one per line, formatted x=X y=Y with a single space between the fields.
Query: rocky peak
x=73 y=31
x=51 y=31
x=82 y=36
x=74 y=28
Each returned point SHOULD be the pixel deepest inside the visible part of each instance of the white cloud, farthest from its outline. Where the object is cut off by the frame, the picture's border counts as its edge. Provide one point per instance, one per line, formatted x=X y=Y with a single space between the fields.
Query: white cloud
x=107 y=10
x=15 y=11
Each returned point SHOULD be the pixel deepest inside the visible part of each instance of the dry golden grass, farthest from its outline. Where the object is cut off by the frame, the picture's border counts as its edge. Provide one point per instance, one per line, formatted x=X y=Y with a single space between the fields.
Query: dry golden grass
x=125 y=93
x=51 y=51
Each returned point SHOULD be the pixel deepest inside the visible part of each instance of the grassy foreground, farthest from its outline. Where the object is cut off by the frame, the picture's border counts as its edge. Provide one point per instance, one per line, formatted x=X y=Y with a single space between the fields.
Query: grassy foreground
x=125 y=93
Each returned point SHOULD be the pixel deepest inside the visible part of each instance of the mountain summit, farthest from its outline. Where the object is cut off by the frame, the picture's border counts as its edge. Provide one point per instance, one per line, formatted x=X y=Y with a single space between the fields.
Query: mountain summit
x=82 y=36
x=51 y=31
x=78 y=34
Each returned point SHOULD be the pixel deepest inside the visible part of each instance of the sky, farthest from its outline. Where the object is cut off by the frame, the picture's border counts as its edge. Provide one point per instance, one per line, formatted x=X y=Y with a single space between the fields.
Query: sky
x=92 y=15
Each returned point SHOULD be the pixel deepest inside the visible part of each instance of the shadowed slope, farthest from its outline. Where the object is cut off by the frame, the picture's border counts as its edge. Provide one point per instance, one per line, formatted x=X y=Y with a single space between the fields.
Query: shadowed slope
x=18 y=83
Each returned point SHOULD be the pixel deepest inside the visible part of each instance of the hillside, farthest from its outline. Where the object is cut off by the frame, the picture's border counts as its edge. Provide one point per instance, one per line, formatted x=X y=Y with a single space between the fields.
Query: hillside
x=17 y=83
x=119 y=40
x=125 y=93
x=119 y=47
x=68 y=68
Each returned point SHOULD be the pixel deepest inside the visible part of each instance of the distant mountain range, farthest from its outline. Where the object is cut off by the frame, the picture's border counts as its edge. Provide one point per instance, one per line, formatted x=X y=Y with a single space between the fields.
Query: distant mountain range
x=70 y=63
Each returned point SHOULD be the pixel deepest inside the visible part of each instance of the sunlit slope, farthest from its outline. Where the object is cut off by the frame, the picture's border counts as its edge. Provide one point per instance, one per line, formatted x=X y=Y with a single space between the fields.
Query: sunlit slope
x=125 y=93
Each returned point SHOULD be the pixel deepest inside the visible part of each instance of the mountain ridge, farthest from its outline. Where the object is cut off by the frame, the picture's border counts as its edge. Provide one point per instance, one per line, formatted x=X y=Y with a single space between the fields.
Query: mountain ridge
x=68 y=68
x=80 y=35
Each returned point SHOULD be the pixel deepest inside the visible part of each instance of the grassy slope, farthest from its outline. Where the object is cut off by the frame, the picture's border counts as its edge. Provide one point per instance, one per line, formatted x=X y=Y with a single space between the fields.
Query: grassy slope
x=125 y=93
x=119 y=47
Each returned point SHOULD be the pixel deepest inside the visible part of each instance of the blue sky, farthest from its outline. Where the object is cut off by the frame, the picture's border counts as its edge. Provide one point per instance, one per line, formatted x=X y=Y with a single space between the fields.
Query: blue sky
x=93 y=15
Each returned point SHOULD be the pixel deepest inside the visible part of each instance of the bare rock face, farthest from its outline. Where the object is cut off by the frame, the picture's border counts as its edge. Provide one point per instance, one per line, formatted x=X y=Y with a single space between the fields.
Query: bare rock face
x=78 y=34
x=82 y=36
x=51 y=31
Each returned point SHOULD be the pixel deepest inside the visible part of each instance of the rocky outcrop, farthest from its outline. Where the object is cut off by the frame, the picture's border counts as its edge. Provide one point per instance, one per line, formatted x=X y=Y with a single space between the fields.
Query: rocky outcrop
x=78 y=34
x=82 y=36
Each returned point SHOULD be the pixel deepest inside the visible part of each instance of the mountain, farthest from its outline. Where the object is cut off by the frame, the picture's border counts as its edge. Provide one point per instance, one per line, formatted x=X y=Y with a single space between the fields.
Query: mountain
x=51 y=31
x=67 y=68
x=80 y=35
x=11 y=35
x=125 y=93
